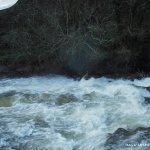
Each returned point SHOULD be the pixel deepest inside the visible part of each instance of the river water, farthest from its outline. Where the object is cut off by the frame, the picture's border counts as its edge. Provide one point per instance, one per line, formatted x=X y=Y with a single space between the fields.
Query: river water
x=60 y=113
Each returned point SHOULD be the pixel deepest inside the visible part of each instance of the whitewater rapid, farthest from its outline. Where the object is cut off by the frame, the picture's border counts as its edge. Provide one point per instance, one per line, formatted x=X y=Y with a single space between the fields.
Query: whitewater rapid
x=60 y=113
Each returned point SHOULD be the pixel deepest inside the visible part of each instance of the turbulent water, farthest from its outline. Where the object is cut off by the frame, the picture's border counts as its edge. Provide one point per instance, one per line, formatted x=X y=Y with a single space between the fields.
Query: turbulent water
x=59 y=113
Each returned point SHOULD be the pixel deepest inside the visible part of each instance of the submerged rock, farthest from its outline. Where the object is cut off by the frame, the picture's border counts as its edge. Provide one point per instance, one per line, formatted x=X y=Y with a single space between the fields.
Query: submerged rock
x=7 y=99
x=7 y=94
x=122 y=139
x=147 y=100
x=65 y=98
x=148 y=88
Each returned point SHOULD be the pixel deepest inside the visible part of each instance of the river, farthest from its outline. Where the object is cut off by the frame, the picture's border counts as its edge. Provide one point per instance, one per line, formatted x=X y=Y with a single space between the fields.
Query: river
x=60 y=113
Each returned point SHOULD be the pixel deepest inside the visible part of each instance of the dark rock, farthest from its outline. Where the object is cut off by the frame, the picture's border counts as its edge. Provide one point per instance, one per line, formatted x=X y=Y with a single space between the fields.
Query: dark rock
x=147 y=100
x=121 y=138
x=148 y=88
x=24 y=70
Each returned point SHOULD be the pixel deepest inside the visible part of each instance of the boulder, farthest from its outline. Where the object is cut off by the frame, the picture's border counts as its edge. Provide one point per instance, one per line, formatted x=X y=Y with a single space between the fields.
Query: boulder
x=122 y=138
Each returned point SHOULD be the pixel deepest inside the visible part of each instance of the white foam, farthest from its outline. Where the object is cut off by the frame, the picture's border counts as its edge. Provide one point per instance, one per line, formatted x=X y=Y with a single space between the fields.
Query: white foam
x=102 y=106
x=145 y=82
x=4 y=4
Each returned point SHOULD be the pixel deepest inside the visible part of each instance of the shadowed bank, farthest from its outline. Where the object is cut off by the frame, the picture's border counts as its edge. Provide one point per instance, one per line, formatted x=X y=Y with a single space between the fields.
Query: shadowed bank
x=75 y=37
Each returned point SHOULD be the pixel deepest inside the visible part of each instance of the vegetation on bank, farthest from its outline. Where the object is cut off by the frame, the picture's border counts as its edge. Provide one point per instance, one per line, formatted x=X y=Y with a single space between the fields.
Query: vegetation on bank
x=76 y=36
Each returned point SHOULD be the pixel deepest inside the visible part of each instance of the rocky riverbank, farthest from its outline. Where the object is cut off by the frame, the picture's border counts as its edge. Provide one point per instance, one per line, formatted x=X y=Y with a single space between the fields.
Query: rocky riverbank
x=5 y=72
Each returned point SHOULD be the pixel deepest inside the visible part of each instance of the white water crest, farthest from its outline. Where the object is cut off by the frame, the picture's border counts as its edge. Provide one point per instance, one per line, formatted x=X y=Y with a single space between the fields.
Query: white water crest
x=4 y=4
x=60 y=113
